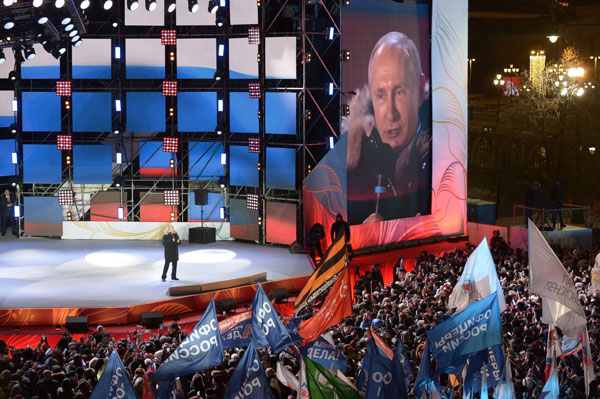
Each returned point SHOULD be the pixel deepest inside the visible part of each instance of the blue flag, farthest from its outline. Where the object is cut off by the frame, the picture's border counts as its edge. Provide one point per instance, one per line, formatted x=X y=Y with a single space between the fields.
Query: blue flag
x=267 y=328
x=236 y=331
x=401 y=357
x=493 y=360
x=327 y=355
x=379 y=375
x=114 y=382
x=551 y=388
x=248 y=381
x=425 y=377
x=474 y=329
x=167 y=389
x=200 y=350
x=362 y=379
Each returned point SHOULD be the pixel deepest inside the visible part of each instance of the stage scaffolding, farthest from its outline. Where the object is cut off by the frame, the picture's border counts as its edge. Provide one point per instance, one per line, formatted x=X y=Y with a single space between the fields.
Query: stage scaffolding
x=319 y=56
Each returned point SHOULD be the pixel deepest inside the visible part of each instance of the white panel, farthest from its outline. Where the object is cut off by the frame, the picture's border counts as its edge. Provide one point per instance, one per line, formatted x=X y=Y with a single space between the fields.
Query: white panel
x=9 y=64
x=243 y=12
x=135 y=230
x=281 y=57
x=146 y=52
x=96 y=52
x=242 y=57
x=141 y=16
x=42 y=58
x=6 y=98
x=197 y=53
x=200 y=17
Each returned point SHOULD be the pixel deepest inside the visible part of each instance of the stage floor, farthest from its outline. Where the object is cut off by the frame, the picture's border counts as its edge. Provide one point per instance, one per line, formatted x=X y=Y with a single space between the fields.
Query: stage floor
x=41 y=273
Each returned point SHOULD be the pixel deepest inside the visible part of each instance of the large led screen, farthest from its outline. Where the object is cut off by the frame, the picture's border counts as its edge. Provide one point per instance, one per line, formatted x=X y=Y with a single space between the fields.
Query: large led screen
x=393 y=174
x=7 y=115
x=7 y=148
x=92 y=60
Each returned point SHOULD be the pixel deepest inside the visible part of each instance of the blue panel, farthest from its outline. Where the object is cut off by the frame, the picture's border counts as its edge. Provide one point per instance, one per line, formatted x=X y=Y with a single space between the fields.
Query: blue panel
x=7 y=147
x=92 y=112
x=40 y=72
x=92 y=164
x=205 y=160
x=212 y=210
x=243 y=113
x=153 y=156
x=239 y=214
x=238 y=75
x=243 y=167
x=6 y=121
x=145 y=71
x=42 y=210
x=196 y=111
x=41 y=111
x=145 y=112
x=191 y=72
x=91 y=72
x=41 y=164
x=280 y=113
x=281 y=168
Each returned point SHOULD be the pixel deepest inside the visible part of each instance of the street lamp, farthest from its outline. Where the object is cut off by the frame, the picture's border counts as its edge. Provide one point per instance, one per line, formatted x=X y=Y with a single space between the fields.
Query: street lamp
x=471 y=61
x=498 y=82
x=595 y=58
x=553 y=38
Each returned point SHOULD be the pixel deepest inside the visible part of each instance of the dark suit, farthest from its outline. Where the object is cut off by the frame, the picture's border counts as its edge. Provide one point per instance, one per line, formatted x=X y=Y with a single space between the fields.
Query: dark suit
x=171 y=253
x=7 y=205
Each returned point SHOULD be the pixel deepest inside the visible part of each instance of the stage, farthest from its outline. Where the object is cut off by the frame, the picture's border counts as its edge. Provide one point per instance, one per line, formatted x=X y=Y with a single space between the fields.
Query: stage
x=52 y=273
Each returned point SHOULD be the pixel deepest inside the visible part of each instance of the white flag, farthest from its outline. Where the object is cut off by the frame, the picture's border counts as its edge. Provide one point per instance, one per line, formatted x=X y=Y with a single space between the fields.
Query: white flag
x=477 y=281
x=506 y=388
x=588 y=362
x=549 y=279
x=303 y=384
x=595 y=275
x=287 y=378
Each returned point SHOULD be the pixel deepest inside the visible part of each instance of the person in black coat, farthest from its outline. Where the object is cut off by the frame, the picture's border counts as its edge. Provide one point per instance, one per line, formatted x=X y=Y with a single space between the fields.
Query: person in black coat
x=313 y=241
x=340 y=226
x=171 y=243
x=557 y=195
x=7 y=203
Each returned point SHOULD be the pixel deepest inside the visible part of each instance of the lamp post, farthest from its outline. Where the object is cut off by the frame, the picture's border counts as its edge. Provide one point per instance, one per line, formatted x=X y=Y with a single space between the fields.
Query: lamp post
x=471 y=61
x=595 y=58
x=498 y=82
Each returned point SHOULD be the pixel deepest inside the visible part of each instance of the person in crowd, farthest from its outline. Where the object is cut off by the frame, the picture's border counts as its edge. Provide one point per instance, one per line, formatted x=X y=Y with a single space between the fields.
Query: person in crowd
x=7 y=207
x=171 y=243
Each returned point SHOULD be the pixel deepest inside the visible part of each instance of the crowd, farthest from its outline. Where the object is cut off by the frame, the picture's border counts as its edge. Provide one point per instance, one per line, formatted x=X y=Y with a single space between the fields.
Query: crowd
x=401 y=311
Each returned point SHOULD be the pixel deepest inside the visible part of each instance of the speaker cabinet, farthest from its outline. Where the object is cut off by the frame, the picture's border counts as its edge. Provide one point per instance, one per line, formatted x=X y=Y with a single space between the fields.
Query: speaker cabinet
x=77 y=324
x=200 y=197
x=203 y=235
x=152 y=319
x=225 y=305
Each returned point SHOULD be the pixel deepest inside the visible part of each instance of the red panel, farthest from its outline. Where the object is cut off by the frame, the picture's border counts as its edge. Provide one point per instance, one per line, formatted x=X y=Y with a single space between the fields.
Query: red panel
x=244 y=231
x=105 y=206
x=157 y=172
x=155 y=213
x=43 y=229
x=281 y=223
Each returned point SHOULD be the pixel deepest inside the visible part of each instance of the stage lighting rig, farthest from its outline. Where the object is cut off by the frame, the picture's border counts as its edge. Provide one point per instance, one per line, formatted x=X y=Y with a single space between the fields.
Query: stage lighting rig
x=193 y=5
x=213 y=6
x=171 y=5
x=132 y=5
x=150 y=5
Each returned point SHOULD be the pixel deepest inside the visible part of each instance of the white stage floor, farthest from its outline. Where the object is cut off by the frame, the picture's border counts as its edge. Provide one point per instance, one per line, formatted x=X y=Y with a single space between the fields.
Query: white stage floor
x=39 y=273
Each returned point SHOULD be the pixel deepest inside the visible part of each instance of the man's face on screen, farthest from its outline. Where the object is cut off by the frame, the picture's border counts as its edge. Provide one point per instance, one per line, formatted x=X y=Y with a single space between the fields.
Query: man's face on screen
x=397 y=96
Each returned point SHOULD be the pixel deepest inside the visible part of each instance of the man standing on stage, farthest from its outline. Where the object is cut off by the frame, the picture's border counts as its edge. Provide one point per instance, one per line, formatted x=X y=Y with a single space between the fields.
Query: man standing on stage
x=340 y=226
x=7 y=202
x=171 y=243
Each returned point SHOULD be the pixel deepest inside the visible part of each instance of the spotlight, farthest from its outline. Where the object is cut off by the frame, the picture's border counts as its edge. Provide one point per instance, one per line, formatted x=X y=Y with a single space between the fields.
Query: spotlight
x=38 y=3
x=69 y=27
x=171 y=4
x=62 y=48
x=12 y=75
x=107 y=4
x=117 y=182
x=73 y=33
x=9 y=23
x=2 y=57
x=220 y=21
x=75 y=39
x=84 y=4
x=115 y=24
x=218 y=75
x=132 y=5
x=65 y=20
x=13 y=128
x=42 y=20
x=29 y=53
x=78 y=43
x=59 y=3
x=212 y=6
x=8 y=2
x=150 y=5
x=193 y=5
